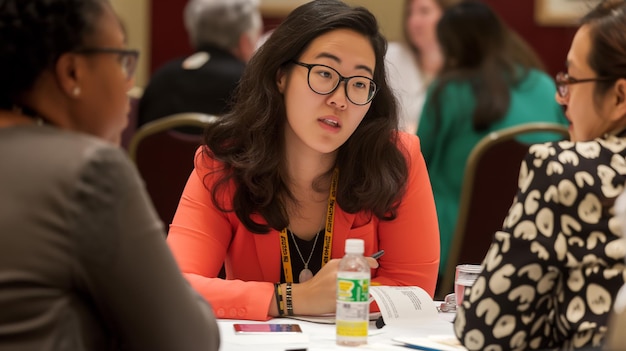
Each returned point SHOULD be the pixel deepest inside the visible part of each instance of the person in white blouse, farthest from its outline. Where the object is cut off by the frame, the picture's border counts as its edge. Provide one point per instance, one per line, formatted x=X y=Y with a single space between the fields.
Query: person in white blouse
x=412 y=64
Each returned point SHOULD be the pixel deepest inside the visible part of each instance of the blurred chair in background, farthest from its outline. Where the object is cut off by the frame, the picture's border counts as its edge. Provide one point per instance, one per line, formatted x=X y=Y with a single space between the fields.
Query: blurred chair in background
x=133 y=96
x=164 y=158
x=489 y=185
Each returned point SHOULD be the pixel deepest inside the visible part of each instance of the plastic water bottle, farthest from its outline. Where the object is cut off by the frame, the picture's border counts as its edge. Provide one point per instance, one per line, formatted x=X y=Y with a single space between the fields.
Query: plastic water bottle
x=353 y=282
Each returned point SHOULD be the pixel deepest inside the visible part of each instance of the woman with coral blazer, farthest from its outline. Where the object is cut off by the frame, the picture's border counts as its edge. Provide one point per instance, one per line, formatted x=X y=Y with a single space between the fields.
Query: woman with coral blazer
x=309 y=157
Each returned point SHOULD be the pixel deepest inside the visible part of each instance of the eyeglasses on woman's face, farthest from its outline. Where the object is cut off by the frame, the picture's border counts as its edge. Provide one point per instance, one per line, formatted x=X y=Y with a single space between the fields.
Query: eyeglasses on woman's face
x=564 y=80
x=127 y=57
x=324 y=80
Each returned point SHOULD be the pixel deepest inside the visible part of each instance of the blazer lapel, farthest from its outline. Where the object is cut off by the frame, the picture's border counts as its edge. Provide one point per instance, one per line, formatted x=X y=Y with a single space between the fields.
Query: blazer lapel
x=267 y=247
x=341 y=231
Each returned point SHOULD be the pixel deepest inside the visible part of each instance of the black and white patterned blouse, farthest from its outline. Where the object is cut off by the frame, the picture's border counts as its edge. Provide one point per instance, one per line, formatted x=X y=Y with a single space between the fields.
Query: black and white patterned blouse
x=551 y=275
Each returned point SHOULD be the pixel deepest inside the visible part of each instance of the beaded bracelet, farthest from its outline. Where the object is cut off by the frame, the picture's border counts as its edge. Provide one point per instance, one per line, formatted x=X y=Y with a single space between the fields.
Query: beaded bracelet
x=288 y=299
x=279 y=299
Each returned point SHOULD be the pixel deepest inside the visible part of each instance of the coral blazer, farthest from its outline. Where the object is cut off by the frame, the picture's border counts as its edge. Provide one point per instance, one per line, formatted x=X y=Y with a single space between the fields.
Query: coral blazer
x=203 y=238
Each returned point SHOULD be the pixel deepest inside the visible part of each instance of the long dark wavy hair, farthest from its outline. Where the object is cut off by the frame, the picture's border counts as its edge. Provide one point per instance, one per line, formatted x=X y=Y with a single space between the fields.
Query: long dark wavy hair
x=607 y=55
x=480 y=49
x=34 y=34
x=249 y=140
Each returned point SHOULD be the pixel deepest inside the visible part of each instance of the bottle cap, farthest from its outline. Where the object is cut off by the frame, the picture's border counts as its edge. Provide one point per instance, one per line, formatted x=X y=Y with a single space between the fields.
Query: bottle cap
x=355 y=246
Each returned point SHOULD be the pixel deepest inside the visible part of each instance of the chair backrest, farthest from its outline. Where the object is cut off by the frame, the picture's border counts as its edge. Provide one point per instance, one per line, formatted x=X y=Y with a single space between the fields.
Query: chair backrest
x=131 y=128
x=164 y=158
x=489 y=185
x=134 y=95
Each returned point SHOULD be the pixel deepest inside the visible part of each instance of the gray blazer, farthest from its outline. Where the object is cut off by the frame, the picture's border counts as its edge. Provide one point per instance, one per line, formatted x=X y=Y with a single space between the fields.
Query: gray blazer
x=83 y=261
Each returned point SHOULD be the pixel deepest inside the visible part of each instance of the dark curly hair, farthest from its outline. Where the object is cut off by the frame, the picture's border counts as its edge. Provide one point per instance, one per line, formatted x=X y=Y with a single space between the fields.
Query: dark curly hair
x=373 y=170
x=34 y=34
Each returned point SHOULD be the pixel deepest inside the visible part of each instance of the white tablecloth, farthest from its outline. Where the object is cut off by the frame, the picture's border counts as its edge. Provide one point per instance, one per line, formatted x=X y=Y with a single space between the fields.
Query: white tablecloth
x=322 y=336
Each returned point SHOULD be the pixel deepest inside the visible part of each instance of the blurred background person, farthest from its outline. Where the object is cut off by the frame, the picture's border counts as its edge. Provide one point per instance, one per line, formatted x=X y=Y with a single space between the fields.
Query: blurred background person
x=414 y=63
x=490 y=80
x=225 y=35
x=552 y=273
x=83 y=262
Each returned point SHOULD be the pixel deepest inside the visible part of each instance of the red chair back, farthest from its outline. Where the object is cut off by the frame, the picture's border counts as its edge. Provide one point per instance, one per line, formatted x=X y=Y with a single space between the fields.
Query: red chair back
x=489 y=185
x=164 y=158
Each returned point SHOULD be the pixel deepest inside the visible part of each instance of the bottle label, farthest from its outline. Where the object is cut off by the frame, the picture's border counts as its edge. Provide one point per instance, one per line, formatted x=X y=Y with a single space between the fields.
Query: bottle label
x=352 y=329
x=353 y=290
x=352 y=306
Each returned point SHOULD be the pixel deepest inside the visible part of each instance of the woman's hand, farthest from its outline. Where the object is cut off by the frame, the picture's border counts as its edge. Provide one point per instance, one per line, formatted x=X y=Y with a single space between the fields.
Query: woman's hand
x=318 y=295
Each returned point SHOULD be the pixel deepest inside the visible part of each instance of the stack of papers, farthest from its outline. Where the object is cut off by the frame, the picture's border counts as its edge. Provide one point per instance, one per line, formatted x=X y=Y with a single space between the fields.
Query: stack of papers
x=431 y=343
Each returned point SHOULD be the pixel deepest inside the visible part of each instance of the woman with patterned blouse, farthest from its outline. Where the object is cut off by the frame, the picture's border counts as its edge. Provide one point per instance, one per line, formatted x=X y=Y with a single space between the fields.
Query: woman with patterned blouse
x=552 y=273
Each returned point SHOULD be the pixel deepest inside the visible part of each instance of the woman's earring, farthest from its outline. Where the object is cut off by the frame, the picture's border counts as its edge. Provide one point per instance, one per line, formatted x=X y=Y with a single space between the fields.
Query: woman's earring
x=76 y=91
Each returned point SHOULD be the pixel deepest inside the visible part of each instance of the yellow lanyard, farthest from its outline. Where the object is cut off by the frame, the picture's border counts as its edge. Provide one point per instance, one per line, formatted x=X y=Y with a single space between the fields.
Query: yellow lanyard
x=328 y=236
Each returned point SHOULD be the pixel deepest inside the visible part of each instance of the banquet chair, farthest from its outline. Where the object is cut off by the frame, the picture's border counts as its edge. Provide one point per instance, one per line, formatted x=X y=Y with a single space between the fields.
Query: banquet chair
x=134 y=95
x=489 y=185
x=164 y=158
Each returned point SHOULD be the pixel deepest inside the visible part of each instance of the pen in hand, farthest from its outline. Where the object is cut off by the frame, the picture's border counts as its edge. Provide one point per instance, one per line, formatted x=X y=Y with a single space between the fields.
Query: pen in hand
x=379 y=321
x=377 y=255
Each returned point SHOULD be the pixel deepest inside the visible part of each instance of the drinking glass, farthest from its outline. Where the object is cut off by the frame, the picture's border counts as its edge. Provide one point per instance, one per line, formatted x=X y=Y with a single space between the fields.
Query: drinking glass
x=466 y=275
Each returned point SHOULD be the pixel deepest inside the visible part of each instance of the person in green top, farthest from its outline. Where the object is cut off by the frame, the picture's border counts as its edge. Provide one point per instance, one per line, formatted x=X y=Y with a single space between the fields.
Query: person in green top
x=491 y=80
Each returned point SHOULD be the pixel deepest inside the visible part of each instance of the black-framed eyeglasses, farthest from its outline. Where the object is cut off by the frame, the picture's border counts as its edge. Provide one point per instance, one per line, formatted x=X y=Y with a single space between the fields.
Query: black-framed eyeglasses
x=324 y=80
x=127 y=57
x=564 y=80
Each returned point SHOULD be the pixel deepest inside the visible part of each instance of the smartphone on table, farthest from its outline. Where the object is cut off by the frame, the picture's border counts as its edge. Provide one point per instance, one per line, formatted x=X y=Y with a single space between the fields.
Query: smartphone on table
x=266 y=328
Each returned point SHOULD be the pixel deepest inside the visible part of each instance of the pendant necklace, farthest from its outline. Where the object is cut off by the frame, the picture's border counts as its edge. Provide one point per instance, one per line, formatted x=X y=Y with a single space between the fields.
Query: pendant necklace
x=326 y=228
x=306 y=273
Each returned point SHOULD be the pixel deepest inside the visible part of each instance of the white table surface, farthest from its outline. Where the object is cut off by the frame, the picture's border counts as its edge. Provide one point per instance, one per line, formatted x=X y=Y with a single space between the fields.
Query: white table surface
x=317 y=336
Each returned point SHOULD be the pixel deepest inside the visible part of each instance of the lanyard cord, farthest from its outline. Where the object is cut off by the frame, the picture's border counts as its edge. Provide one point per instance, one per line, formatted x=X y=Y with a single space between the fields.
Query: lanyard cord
x=328 y=232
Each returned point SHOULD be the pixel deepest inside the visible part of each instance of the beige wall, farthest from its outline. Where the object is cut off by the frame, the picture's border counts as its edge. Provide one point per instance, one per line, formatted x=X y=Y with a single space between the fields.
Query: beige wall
x=135 y=15
x=388 y=13
x=279 y=8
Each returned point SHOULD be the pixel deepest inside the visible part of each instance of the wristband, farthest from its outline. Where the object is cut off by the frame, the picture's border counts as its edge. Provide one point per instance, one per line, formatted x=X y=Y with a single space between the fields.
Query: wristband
x=279 y=299
x=289 y=300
